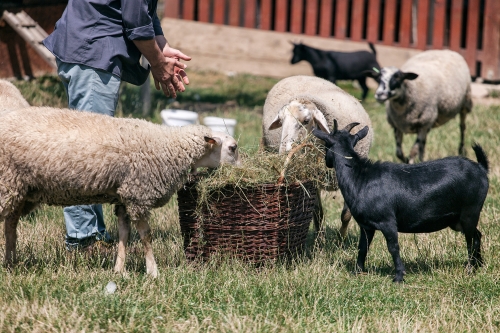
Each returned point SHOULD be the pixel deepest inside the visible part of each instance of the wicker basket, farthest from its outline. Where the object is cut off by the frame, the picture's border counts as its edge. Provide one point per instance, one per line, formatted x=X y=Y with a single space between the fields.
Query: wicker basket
x=257 y=224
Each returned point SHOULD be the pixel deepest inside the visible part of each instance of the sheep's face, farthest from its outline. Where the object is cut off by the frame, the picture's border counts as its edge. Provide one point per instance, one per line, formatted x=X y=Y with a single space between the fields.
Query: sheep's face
x=340 y=143
x=222 y=149
x=297 y=119
x=391 y=83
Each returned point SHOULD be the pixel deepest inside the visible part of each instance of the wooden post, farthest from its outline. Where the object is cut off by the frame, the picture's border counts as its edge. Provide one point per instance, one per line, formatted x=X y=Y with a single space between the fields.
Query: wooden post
x=325 y=19
x=456 y=24
x=389 y=22
x=373 y=20
x=296 y=17
x=357 y=20
x=422 y=20
x=471 y=41
x=405 y=23
x=341 y=19
x=265 y=15
x=439 y=22
x=171 y=8
x=234 y=13
x=281 y=20
x=311 y=17
x=491 y=41
x=188 y=10
x=250 y=11
x=219 y=10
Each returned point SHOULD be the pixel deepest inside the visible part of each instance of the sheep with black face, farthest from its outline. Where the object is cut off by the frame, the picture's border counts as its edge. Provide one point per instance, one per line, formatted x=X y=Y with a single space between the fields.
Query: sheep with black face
x=416 y=198
x=430 y=89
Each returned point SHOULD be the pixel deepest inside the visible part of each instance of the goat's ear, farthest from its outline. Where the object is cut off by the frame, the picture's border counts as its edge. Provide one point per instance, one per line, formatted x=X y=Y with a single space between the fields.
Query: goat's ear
x=320 y=134
x=409 y=76
x=359 y=136
x=213 y=140
x=276 y=122
x=320 y=120
x=371 y=73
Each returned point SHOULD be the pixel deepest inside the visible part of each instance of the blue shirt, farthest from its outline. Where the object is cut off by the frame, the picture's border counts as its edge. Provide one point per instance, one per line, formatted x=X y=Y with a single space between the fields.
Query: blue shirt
x=99 y=34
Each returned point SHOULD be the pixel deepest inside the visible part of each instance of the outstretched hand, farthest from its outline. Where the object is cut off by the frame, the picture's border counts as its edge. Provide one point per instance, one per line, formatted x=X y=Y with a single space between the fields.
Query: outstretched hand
x=175 y=70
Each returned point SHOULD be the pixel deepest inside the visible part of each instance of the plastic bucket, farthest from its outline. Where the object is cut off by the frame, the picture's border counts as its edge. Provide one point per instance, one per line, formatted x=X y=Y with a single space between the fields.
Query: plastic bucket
x=172 y=117
x=225 y=125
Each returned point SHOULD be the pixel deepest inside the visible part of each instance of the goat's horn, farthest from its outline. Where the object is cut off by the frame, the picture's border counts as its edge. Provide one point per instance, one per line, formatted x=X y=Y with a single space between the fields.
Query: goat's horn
x=349 y=127
x=335 y=126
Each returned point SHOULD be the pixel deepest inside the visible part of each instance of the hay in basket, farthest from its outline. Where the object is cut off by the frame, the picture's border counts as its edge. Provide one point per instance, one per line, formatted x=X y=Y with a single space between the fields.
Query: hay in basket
x=259 y=211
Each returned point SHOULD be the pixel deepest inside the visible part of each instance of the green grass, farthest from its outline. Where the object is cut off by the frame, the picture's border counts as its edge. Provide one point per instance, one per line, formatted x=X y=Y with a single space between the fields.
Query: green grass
x=52 y=290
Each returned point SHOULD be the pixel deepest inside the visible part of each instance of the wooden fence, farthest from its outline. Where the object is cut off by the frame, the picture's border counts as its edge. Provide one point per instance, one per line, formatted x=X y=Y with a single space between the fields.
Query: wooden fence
x=470 y=27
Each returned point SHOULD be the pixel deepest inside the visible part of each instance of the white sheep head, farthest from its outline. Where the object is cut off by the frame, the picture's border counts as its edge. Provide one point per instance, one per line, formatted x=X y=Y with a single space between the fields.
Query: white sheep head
x=223 y=149
x=298 y=118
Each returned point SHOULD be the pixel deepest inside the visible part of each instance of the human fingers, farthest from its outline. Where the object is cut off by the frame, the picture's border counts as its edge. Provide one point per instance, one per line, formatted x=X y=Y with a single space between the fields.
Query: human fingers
x=177 y=83
x=157 y=84
x=164 y=88
x=183 y=76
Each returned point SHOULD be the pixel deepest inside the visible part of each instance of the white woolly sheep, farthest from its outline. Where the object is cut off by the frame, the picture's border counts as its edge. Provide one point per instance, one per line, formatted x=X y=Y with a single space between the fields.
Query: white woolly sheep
x=297 y=104
x=10 y=97
x=430 y=89
x=65 y=157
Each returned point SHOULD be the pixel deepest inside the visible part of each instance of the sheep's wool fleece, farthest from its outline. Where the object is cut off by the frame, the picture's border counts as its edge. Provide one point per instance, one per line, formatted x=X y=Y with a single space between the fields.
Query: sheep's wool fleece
x=68 y=157
x=10 y=97
x=332 y=101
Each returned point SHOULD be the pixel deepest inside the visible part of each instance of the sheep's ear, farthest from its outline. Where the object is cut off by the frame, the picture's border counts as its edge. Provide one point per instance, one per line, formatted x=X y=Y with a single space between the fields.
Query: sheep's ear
x=320 y=120
x=409 y=76
x=371 y=73
x=276 y=123
x=360 y=135
x=214 y=140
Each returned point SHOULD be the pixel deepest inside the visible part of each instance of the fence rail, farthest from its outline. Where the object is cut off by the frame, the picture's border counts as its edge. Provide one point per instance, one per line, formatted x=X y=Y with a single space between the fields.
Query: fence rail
x=470 y=27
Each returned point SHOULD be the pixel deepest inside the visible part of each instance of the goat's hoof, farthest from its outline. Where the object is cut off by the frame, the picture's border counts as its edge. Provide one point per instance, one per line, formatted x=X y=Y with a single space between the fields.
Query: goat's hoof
x=398 y=280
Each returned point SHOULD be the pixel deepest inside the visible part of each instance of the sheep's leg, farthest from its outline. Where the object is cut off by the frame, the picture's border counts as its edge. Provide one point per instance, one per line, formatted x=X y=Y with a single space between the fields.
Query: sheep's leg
x=473 y=239
x=391 y=237
x=362 y=83
x=318 y=214
x=365 y=239
x=345 y=217
x=419 y=146
x=123 y=234
x=463 y=115
x=398 y=135
x=144 y=230
x=11 y=223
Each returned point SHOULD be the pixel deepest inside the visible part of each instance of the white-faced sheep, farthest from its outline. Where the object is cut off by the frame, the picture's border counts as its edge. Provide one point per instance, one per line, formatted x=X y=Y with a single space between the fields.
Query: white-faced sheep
x=10 y=97
x=65 y=157
x=430 y=89
x=297 y=104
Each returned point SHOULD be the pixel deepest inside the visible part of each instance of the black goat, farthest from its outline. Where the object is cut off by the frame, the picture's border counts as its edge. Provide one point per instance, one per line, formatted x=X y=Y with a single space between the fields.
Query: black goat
x=333 y=65
x=416 y=198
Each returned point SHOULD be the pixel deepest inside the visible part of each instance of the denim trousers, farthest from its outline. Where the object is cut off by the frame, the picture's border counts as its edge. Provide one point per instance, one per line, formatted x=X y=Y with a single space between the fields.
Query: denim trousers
x=92 y=90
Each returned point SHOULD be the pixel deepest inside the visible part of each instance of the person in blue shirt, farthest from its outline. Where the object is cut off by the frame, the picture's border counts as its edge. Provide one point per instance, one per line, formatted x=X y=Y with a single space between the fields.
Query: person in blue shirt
x=98 y=44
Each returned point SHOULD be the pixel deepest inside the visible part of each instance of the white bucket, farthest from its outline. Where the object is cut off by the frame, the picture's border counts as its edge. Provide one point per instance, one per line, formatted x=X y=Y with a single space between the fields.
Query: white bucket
x=172 y=117
x=225 y=125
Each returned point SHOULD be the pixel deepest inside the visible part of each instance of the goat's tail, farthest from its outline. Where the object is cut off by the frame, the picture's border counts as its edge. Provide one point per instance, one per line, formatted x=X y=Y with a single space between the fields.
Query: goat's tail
x=481 y=156
x=373 y=48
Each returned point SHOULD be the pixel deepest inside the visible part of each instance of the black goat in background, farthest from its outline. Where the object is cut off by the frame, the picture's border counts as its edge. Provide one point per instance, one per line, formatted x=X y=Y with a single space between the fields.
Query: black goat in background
x=334 y=65
x=409 y=198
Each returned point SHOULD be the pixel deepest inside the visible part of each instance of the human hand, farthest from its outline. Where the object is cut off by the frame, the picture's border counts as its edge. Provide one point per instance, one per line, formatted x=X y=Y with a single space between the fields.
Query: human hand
x=166 y=75
x=170 y=52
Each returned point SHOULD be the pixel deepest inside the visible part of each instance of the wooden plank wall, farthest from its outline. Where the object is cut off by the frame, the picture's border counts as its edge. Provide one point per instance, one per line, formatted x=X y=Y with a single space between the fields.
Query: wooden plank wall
x=439 y=24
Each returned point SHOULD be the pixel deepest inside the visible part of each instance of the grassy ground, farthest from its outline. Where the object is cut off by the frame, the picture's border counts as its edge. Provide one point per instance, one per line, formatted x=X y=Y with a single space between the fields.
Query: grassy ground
x=55 y=291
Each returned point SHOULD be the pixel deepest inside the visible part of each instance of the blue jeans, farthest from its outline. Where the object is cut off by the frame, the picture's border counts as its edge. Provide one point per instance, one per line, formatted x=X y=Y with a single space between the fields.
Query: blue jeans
x=92 y=90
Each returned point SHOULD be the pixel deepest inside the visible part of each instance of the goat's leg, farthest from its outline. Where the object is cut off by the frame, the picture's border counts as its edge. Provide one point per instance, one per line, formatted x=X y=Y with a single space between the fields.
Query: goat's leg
x=473 y=239
x=318 y=214
x=345 y=217
x=463 y=115
x=11 y=223
x=391 y=237
x=419 y=146
x=144 y=230
x=365 y=239
x=362 y=83
x=398 y=135
x=123 y=234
